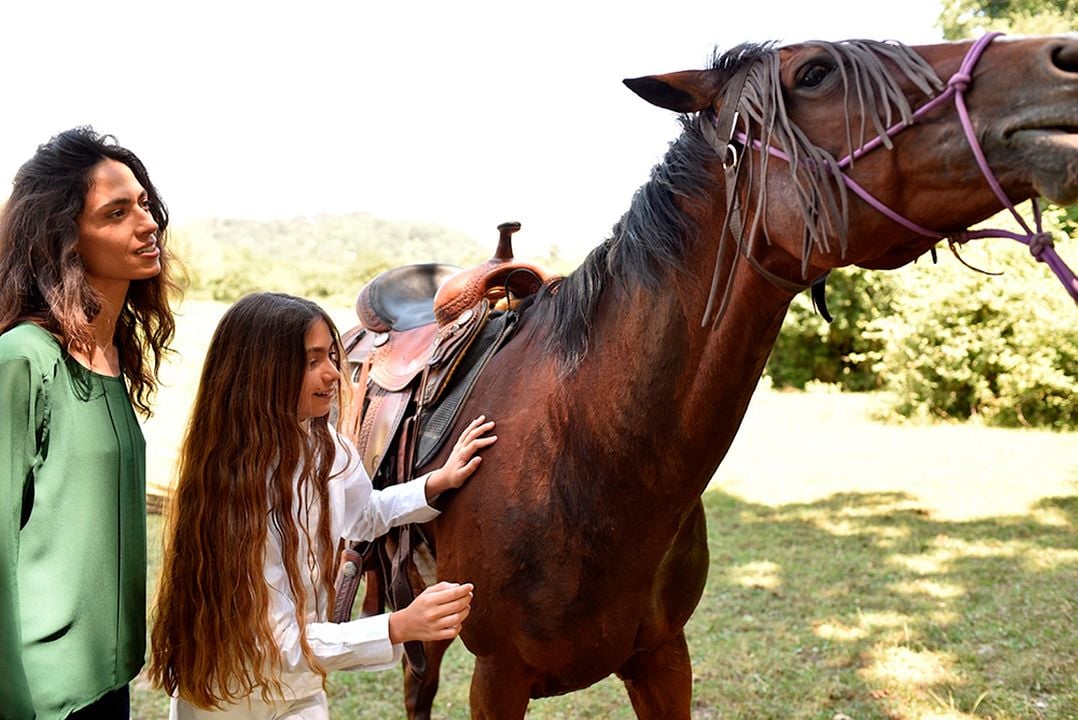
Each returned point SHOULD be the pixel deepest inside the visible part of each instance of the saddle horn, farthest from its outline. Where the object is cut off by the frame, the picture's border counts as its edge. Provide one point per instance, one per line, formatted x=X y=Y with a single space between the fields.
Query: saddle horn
x=505 y=240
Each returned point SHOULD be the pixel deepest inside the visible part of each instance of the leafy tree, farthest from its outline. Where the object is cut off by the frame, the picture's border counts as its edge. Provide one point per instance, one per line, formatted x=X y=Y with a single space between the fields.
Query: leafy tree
x=965 y=18
x=328 y=257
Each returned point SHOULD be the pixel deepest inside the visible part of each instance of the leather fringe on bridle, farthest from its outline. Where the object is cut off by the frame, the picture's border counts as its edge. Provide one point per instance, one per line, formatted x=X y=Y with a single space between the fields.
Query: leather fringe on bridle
x=759 y=118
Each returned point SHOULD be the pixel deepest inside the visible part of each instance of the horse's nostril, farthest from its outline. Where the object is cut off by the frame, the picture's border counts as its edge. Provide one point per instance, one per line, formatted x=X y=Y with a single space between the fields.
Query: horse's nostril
x=1065 y=57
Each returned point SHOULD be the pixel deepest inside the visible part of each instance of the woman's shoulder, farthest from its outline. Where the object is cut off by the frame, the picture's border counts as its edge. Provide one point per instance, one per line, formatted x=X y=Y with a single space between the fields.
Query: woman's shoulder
x=29 y=341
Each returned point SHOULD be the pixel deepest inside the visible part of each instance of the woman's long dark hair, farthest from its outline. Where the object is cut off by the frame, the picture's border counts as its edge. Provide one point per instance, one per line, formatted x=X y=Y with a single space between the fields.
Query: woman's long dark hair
x=243 y=456
x=44 y=280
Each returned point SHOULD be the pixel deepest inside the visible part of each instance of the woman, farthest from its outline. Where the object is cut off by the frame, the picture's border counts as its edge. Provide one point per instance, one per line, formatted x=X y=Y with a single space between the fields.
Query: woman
x=267 y=489
x=84 y=323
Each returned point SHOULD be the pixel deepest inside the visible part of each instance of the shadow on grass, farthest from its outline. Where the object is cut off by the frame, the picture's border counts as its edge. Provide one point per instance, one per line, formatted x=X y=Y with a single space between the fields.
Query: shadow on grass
x=859 y=605
x=862 y=604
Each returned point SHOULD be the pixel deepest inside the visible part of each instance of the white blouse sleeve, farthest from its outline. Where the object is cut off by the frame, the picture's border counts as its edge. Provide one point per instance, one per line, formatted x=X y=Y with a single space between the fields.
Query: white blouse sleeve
x=357 y=644
x=357 y=512
x=362 y=513
x=354 y=645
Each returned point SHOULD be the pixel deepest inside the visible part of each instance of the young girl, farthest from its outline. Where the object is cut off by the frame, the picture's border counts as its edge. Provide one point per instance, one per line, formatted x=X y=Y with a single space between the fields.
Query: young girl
x=84 y=324
x=267 y=488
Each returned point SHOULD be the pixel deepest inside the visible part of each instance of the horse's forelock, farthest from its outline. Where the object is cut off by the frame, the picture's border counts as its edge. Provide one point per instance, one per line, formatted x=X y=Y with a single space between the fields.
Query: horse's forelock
x=730 y=61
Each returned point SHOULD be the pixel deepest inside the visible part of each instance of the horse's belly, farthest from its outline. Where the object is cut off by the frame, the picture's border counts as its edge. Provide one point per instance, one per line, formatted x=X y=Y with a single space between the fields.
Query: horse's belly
x=572 y=628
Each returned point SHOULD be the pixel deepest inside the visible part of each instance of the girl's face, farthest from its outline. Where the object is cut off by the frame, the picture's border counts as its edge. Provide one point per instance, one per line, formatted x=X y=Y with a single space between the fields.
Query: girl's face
x=117 y=234
x=321 y=372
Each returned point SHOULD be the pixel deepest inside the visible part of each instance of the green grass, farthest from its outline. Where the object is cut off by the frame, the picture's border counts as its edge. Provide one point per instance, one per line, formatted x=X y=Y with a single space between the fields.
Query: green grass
x=857 y=571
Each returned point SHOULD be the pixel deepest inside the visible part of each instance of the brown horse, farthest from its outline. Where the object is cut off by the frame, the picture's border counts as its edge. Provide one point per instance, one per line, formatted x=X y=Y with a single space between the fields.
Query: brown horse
x=622 y=390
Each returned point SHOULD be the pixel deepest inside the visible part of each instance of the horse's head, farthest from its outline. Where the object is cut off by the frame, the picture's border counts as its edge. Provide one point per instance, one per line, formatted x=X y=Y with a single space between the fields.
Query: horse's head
x=797 y=130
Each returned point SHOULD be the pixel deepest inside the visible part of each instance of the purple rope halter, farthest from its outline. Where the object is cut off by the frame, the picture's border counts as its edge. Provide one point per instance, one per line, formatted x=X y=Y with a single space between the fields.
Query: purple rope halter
x=1039 y=242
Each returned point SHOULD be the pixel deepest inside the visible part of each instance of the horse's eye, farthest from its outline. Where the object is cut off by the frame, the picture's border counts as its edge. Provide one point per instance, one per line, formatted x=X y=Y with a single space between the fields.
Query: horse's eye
x=812 y=74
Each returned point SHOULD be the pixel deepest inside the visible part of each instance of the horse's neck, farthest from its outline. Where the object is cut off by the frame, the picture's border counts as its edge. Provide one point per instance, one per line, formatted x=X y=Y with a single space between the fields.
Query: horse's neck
x=666 y=396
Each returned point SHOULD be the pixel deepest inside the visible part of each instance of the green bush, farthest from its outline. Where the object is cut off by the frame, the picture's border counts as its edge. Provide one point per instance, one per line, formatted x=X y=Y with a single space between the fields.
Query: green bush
x=847 y=352
x=946 y=341
x=1000 y=349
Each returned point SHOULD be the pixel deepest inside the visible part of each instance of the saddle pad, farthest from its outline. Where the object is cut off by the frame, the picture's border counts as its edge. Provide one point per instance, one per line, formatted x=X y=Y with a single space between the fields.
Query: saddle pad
x=434 y=425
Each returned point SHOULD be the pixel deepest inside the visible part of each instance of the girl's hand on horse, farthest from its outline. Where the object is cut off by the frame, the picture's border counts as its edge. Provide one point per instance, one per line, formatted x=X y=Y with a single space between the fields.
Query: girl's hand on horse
x=435 y=615
x=463 y=460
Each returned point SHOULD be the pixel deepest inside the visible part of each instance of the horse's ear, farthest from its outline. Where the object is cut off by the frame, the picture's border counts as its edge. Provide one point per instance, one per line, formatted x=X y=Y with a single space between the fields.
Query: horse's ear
x=687 y=91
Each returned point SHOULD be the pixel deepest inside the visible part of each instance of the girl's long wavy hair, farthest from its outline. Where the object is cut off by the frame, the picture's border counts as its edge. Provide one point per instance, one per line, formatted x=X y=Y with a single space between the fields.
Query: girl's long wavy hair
x=244 y=458
x=43 y=278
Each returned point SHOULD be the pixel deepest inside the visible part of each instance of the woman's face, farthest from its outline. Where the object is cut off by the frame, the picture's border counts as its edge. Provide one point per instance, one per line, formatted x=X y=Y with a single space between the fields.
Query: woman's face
x=117 y=234
x=321 y=374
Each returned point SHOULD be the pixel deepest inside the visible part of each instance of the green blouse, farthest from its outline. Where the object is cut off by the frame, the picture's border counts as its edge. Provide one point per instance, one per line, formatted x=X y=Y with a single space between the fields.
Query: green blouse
x=72 y=531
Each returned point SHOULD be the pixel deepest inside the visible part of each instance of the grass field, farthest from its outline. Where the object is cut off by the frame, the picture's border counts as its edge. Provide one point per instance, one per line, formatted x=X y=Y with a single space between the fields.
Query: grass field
x=858 y=571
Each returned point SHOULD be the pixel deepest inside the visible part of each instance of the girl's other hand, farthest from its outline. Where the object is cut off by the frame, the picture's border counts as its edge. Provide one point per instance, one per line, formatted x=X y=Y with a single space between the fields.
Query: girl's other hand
x=436 y=614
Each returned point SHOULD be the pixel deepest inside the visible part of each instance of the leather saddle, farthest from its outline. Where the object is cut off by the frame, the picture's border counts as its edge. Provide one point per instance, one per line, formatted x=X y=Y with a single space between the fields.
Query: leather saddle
x=416 y=323
x=425 y=333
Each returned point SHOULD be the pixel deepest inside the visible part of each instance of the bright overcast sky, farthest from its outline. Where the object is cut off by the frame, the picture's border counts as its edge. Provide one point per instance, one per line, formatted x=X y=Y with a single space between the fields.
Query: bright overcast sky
x=463 y=113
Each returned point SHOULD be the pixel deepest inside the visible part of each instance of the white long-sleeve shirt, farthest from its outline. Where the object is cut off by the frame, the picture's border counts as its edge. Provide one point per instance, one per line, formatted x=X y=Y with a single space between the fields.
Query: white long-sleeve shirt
x=357 y=512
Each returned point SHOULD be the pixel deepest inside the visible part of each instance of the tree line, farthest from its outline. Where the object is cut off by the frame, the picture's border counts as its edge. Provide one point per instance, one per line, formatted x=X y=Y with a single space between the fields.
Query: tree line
x=327 y=258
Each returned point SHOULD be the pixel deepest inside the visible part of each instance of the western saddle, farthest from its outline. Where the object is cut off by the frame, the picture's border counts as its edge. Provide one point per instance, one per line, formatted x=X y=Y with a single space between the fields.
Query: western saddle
x=426 y=331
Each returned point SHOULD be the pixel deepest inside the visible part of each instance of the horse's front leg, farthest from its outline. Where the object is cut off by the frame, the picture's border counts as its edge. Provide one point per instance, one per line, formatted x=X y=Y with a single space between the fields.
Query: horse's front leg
x=659 y=681
x=419 y=692
x=500 y=689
